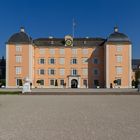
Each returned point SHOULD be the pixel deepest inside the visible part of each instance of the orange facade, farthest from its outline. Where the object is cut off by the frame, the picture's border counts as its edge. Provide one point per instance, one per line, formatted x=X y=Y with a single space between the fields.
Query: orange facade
x=68 y=62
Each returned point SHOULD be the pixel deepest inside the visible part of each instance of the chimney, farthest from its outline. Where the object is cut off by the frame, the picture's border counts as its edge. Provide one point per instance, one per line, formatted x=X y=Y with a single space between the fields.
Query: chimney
x=115 y=29
x=22 y=29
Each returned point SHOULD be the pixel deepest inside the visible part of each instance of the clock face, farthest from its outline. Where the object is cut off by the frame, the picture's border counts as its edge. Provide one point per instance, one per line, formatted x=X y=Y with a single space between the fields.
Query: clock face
x=68 y=42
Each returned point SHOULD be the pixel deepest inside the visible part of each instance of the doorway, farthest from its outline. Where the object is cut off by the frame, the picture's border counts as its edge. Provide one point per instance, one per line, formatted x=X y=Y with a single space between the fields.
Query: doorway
x=74 y=83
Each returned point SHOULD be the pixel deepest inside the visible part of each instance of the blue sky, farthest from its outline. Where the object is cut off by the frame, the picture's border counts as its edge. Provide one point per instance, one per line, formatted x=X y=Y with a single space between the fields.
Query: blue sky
x=94 y=18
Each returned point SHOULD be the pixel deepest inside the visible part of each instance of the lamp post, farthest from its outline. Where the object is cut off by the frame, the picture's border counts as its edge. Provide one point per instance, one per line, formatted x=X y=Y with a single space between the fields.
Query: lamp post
x=139 y=84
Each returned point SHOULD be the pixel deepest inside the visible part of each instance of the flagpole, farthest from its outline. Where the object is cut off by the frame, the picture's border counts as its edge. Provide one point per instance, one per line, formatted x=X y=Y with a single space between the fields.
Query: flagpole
x=73 y=28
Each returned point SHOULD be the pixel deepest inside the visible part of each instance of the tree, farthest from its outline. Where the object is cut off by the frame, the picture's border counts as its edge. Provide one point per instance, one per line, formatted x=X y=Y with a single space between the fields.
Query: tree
x=137 y=77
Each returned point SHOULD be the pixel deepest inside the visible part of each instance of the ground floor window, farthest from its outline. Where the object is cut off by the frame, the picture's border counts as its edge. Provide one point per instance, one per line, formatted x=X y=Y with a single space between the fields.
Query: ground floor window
x=119 y=81
x=62 y=82
x=52 y=82
x=19 y=82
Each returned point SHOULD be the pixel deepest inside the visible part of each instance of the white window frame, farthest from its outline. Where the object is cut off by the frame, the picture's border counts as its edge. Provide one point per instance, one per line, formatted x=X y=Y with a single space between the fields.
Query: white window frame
x=62 y=61
x=85 y=60
x=62 y=72
x=119 y=48
x=119 y=58
x=61 y=51
x=119 y=70
x=51 y=71
x=85 y=51
x=42 y=59
x=18 y=58
x=74 y=51
x=74 y=72
x=52 y=51
x=42 y=51
x=18 y=48
x=50 y=61
x=18 y=70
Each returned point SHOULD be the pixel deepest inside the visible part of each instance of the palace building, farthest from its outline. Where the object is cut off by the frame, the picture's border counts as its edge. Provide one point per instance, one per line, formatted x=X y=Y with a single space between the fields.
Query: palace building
x=69 y=62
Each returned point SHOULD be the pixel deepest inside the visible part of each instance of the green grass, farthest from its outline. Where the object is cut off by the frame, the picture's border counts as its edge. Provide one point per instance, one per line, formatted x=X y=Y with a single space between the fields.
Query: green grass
x=10 y=92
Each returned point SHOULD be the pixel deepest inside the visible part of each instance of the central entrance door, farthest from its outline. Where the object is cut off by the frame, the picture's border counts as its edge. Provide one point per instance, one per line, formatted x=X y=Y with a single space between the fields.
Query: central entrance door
x=74 y=83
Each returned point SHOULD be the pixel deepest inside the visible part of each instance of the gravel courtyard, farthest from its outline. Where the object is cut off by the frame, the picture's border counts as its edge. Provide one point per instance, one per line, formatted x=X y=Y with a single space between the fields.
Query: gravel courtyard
x=87 y=117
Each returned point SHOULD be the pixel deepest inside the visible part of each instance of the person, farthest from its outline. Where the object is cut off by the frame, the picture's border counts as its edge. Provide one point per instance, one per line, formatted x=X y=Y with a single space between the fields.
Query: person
x=139 y=87
x=111 y=85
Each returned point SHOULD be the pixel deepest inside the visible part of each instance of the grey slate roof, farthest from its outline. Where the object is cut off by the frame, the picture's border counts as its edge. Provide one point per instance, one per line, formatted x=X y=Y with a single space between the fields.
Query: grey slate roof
x=118 y=37
x=20 y=37
x=76 y=42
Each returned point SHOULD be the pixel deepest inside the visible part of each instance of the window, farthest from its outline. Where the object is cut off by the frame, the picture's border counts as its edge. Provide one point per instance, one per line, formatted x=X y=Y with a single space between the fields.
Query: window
x=85 y=51
x=85 y=71
x=95 y=61
x=18 y=59
x=119 y=48
x=95 y=72
x=51 y=71
x=41 y=71
x=18 y=48
x=42 y=51
x=42 y=82
x=74 y=50
x=41 y=61
x=51 y=61
x=62 y=61
x=74 y=72
x=118 y=81
x=52 y=82
x=119 y=70
x=62 y=51
x=62 y=82
x=62 y=71
x=74 y=61
x=19 y=82
x=84 y=60
x=18 y=70
x=119 y=58
x=52 y=51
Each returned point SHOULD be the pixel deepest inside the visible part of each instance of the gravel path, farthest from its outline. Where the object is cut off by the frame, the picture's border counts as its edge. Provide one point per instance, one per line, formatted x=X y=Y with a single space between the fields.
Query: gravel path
x=69 y=117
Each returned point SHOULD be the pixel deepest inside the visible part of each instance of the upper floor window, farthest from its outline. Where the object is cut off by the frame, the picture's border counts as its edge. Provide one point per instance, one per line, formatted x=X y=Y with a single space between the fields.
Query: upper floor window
x=62 y=61
x=41 y=71
x=42 y=51
x=62 y=71
x=51 y=61
x=95 y=60
x=73 y=61
x=51 y=71
x=119 y=58
x=62 y=51
x=18 y=48
x=52 y=51
x=119 y=70
x=18 y=70
x=18 y=59
x=85 y=51
x=42 y=61
x=74 y=72
x=96 y=72
x=119 y=48
x=74 y=51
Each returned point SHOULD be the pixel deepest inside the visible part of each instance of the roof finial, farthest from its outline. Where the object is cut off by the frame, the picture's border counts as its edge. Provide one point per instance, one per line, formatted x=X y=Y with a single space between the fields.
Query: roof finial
x=116 y=29
x=22 y=29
